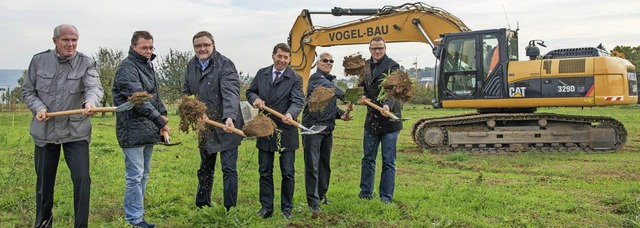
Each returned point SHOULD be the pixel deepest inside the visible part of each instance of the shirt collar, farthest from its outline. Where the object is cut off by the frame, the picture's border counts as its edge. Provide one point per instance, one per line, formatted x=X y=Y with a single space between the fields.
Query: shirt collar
x=204 y=64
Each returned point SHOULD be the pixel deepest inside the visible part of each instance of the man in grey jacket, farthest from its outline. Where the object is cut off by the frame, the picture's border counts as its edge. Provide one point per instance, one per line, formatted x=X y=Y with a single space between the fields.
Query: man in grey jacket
x=140 y=128
x=58 y=80
x=213 y=78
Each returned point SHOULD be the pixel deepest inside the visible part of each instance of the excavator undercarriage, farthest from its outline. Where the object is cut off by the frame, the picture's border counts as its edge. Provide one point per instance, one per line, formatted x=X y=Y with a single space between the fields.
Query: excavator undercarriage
x=514 y=132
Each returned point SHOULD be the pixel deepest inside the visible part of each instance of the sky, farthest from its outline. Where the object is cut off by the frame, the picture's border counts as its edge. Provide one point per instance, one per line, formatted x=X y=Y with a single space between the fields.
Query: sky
x=246 y=31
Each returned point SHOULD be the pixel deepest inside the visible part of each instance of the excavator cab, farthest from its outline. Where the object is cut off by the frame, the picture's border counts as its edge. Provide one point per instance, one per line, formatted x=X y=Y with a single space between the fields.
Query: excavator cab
x=473 y=64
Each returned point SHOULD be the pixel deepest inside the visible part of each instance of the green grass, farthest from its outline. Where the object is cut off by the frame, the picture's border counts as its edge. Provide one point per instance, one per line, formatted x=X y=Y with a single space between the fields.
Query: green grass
x=434 y=190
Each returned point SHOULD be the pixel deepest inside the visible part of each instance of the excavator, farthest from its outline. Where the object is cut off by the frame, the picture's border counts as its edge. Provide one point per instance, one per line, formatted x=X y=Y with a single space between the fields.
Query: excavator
x=481 y=70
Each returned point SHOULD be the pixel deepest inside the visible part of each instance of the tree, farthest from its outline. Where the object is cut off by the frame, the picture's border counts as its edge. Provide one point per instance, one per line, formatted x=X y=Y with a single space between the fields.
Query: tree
x=16 y=94
x=171 y=75
x=108 y=61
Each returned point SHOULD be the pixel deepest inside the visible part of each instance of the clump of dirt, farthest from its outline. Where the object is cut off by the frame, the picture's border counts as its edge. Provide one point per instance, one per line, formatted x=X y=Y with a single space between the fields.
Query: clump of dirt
x=398 y=85
x=320 y=97
x=191 y=111
x=139 y=97
x=354 y=65
x=259 y=126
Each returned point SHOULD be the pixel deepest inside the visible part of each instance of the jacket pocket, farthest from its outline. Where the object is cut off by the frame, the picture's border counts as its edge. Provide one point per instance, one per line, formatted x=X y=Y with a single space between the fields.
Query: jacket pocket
x=79 y=125
x=74 y=83
x=44 y=80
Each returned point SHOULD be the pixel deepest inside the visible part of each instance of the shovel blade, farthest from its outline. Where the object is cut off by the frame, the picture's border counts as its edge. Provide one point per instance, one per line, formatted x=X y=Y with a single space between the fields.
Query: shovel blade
x=313 y=130
x=124 y=107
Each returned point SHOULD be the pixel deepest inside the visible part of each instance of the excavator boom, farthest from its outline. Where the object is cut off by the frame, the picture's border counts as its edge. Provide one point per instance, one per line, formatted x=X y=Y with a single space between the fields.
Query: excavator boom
x=412 y=22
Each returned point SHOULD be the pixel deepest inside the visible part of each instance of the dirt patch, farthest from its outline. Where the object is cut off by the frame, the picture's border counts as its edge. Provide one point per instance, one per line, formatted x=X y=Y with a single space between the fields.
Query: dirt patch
x=259 y=126
x=398 y=85
x=139 y=97
x=320 y=97
x=191 y=111
x=354 y=65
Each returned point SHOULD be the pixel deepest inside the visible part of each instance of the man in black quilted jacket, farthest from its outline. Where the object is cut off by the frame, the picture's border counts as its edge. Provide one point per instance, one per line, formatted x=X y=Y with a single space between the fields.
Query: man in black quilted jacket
x=140 y=128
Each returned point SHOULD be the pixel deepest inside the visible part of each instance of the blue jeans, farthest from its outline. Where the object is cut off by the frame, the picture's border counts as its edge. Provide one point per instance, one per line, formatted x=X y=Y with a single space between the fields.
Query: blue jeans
x=388 y=176
x=137 y=161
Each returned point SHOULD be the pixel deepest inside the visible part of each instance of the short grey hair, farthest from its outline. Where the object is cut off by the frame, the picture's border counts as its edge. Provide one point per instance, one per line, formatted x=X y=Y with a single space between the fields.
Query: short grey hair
x=56 y=30
x=324 y=54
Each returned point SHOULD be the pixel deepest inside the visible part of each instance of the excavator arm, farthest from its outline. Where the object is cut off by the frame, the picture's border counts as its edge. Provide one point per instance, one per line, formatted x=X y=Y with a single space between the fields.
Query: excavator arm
x=411 y=22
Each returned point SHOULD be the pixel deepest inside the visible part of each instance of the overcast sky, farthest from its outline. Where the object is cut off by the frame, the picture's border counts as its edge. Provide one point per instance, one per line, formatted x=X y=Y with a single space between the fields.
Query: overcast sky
x=246 y=31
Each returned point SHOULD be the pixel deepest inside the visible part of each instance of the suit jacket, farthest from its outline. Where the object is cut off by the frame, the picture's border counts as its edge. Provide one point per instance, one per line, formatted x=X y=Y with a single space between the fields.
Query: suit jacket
x=218 y=86
x=285 y=96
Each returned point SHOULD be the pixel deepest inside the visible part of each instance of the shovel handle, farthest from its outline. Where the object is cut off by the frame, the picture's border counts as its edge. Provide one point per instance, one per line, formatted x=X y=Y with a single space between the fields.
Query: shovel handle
x=79 y=111
x=377 y=107
x=165 y=135
x=349 y=108
x=279 y=115
x=234 y=130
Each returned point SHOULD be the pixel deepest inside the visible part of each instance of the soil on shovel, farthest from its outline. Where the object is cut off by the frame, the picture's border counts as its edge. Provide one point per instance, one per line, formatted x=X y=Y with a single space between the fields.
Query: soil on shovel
x=191 y=111
x=138 y=98
x=260 y=126
x=320 y=97
x=354 y=65
x=398 y=86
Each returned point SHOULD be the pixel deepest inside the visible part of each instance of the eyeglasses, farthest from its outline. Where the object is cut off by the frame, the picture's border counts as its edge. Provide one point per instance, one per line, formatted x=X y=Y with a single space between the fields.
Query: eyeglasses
x=198 y=46
x=147 y=48
x=377 y=48
x=327 y=60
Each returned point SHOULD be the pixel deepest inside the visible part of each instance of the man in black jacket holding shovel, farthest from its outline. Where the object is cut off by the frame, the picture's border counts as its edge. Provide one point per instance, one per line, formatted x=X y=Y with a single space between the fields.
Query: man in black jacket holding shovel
x=213 y=78
x=280 y=88
x=317 y=147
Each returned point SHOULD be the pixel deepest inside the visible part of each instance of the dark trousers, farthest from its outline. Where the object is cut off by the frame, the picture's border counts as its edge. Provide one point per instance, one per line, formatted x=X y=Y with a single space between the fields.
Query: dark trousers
x=265 y=163
x=317 y=170
x=76 y=154
x=228 y=159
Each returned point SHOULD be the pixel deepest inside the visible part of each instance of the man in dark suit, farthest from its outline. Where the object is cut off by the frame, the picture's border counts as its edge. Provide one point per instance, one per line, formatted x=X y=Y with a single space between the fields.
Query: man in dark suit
x=213 y=78
x=280 y=88
x=378 y=127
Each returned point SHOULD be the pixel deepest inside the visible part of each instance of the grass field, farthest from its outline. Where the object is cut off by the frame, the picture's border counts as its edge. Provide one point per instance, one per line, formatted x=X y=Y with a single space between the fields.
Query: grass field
x=571 y=189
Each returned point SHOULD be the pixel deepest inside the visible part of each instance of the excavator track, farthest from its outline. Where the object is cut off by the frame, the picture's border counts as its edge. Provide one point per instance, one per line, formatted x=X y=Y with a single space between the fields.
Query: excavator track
x=514 y=132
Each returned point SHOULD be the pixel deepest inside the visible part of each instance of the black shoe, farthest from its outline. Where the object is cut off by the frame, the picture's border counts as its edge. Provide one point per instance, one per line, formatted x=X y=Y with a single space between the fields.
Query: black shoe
x=385 y=201
x=287 y=214
x=324 y=200
x=144 y=224
x=367 y=197
x=264 y=213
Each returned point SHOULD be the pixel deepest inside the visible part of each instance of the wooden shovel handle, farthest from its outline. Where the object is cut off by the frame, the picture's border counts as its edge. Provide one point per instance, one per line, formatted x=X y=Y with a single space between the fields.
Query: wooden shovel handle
x=234 y=130
x=349 y=108
x=165 y=134
x=79 y=111
x=279 y=115
x=388 y=113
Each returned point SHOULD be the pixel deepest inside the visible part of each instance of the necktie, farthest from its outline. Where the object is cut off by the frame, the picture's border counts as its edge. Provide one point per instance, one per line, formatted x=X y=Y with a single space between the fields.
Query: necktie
x=277 y=76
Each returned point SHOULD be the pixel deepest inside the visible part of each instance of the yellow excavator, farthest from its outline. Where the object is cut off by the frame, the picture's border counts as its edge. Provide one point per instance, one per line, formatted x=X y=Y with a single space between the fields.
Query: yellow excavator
x=480 y=70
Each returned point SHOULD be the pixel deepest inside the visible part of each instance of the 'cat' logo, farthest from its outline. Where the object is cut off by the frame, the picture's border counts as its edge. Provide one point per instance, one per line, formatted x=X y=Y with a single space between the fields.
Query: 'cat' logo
x=517 y=91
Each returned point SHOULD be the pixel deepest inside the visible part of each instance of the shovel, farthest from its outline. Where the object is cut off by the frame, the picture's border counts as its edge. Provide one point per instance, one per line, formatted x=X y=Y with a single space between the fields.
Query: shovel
x=167 y=142
x=233 y=130
x=123 y=107
x=305 y=131
x=352 y=94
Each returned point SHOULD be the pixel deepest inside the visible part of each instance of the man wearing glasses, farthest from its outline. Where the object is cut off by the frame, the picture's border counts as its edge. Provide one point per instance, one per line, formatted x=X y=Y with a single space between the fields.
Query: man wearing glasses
x=317 y=147
x=140 y=128
x=213 y=78
x=378 y=129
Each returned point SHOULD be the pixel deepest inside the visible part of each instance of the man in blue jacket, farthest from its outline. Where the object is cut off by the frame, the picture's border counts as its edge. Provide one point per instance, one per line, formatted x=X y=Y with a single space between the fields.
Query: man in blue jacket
x=280 y=88
x=213 y=78
x=140 y=128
